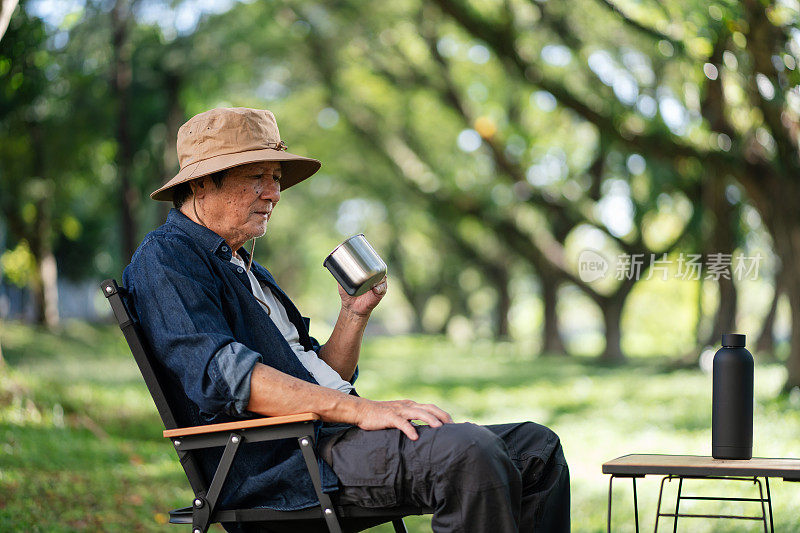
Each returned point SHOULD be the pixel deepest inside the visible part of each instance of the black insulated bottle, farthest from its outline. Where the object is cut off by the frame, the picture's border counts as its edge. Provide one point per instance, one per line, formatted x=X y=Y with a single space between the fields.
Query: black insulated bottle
x=732 y=400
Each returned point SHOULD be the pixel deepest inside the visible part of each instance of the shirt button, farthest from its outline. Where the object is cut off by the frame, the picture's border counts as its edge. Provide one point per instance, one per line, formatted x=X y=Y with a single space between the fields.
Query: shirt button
x=240 y=270
x=224 y=248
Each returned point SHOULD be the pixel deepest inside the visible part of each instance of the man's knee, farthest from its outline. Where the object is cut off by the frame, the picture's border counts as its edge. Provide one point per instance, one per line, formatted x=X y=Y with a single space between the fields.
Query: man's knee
x=473 y=451
x=539 y=431
x=532 y=439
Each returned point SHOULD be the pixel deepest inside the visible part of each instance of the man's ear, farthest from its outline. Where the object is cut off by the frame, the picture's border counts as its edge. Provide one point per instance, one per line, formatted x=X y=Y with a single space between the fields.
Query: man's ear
x=198 y=188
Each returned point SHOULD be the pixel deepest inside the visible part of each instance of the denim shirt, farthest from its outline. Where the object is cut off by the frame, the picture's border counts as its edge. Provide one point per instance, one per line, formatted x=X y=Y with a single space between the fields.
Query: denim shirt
x=196 y=309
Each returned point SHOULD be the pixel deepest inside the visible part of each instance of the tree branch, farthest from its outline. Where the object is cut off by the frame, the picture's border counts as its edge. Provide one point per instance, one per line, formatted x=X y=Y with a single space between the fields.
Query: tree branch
x=763 y=41
x=653 y=33
x=502 y=41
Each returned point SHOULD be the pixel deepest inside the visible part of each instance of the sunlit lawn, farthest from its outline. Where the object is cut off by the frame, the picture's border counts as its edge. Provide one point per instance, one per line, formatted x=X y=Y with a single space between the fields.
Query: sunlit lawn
x=80 y=446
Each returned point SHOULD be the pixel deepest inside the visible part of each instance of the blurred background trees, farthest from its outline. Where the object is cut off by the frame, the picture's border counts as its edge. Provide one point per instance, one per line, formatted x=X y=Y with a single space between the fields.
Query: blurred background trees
x=485 y=148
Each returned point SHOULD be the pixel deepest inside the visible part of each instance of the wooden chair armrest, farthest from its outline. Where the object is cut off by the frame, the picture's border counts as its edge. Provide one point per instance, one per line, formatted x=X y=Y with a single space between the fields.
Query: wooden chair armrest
x=244 y=424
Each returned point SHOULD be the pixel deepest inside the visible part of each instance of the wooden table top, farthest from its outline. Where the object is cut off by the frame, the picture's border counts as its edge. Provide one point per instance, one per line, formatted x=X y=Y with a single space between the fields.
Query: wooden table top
x=702 y=465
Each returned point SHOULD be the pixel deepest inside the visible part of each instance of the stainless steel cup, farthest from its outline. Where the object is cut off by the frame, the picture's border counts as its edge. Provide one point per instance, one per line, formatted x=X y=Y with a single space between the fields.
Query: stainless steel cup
x=355 y=265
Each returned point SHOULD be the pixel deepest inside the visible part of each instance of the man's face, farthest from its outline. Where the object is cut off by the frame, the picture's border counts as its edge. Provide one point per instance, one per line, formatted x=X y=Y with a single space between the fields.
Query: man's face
x=239 y=209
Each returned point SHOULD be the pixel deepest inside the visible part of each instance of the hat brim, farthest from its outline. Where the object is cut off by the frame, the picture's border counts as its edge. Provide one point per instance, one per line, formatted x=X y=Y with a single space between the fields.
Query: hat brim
x=294 y=169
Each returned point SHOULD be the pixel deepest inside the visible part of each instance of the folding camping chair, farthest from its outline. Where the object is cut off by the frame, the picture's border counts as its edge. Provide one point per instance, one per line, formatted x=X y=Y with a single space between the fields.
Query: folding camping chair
x=203 y=512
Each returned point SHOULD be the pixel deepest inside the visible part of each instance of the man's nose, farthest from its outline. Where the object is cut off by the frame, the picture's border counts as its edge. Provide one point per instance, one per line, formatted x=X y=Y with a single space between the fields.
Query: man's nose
x=272 y=192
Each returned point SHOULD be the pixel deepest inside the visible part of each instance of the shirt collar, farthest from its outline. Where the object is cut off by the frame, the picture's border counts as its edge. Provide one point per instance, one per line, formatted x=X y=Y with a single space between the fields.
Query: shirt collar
x=200 y=234
x=261 y=273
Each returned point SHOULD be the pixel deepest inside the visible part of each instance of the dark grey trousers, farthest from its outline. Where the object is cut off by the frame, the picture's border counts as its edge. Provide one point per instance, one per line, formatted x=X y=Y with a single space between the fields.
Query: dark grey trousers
x=500 y=478
x=477 y=479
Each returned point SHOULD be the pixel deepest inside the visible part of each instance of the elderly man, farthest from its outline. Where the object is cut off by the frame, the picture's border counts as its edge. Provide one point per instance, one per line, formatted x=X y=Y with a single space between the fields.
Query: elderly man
x=233 y=345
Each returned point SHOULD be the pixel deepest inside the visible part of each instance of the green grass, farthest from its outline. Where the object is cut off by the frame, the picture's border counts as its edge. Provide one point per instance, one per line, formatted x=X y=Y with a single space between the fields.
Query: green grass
x=80 y=445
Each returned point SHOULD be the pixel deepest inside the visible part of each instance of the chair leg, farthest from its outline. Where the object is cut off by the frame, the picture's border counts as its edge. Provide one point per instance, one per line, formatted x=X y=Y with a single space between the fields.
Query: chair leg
x=328 y=512
x=399 y=526
x=204 y=504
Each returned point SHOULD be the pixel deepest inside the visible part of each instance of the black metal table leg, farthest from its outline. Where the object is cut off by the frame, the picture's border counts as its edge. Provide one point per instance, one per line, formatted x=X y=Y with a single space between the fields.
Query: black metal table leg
x=766 y=510
x=677 y=504
x=677 y=514
x=761 y=500
x=610 y=486
x=635 y=506
x=635 y=502
x=658 y=506
x=769 y=506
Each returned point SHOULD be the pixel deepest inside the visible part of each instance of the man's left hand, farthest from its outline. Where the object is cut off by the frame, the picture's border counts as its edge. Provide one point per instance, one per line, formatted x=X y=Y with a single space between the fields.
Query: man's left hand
x=364 y=304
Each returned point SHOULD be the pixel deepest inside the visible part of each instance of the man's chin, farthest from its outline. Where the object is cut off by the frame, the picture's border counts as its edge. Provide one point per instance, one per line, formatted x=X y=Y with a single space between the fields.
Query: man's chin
x=259 y=232
x=258 y=227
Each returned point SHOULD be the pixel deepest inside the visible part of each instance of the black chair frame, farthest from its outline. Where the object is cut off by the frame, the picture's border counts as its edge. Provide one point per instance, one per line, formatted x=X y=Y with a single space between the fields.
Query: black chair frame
x=203 y=512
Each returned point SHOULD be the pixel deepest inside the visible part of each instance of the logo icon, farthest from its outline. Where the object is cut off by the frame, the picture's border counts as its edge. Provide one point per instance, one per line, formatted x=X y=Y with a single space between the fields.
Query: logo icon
x=591 y=266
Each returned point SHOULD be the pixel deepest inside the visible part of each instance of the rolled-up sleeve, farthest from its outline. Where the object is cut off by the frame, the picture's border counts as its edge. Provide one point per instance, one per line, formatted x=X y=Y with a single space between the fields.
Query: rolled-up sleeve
x=179 y=309
x=232 y=367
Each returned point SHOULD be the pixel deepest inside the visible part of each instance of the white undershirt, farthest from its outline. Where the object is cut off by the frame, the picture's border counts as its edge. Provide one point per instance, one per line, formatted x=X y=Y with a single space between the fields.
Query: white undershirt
x=319 y=369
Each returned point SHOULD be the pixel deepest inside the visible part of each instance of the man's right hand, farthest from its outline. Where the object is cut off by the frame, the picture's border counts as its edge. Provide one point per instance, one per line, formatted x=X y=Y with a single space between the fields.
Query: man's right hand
x=398 y=414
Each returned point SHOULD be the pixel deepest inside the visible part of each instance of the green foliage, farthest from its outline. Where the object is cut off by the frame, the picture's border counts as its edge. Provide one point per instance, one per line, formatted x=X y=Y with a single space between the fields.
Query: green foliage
x=22 y=62
x=439 y=139
x=51 y=150
x=17 y=265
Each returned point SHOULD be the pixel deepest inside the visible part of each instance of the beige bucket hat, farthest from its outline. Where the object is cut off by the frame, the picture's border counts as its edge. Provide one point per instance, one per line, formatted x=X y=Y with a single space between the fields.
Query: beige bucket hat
x=230 y=136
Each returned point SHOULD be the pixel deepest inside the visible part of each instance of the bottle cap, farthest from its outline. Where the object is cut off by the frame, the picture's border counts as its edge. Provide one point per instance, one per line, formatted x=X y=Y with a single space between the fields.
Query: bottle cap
x=733 y=340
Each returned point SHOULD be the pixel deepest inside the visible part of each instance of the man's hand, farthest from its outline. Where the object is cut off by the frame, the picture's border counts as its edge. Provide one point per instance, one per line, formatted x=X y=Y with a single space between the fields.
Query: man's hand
x=398 y=414
x=364 y=304
x=273 y=393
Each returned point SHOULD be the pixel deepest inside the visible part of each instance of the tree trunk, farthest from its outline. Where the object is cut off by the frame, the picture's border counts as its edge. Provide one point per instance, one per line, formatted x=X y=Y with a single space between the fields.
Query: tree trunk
x=46 y=291
x=175 y=117
x=500 y=281
x=552 y=343
x=765 y=345
x=722 y=240
x=49 y=273
x=121 y=76
x=458 y=300
x=612 y=306
x=783 y=221
x=698 y=328
x=45 y=286
x=793 y=362
x=787 y=244
x=503 y=308
x=612 y=317
x=416 y=299
x=725 y=318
